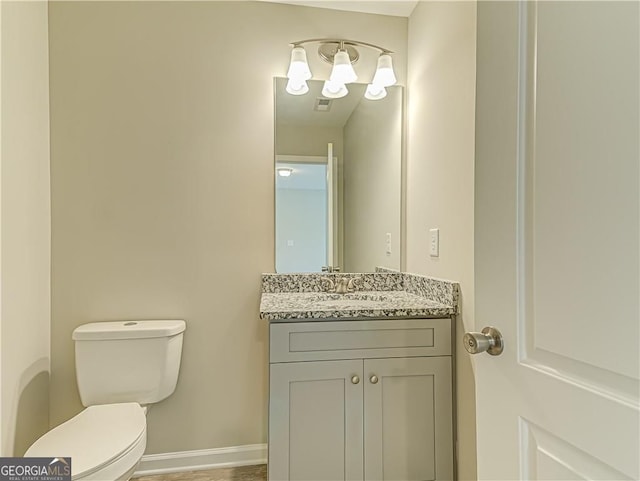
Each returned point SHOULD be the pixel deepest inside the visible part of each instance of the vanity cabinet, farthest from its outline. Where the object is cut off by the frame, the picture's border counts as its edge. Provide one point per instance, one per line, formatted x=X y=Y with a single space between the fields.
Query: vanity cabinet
x=361 y=400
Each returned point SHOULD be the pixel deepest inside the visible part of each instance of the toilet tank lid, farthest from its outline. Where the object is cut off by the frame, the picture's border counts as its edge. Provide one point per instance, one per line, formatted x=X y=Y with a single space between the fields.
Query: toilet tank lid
x=111 y=330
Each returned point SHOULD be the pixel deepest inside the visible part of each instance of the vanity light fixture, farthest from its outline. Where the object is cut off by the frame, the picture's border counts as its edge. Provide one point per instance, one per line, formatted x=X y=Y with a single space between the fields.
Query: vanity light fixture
x=342 y=54
x=284 y=171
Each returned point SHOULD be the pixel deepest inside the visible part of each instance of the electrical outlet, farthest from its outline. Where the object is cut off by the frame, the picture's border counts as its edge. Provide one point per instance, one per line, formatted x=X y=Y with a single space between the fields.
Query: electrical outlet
x=434 y=242
x=388 y=243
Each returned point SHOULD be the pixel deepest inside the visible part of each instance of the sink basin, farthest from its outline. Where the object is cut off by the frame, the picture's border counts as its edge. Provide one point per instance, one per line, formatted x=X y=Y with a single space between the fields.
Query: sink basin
x=346 y=303
x=351 y=299
x=352 y=296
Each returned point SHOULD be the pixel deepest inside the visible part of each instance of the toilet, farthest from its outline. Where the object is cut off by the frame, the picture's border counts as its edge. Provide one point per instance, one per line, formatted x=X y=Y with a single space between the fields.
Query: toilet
x=121 y=367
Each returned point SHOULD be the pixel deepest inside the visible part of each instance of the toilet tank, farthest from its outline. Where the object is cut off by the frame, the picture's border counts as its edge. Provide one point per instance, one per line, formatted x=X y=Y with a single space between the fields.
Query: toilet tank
x=128 y=361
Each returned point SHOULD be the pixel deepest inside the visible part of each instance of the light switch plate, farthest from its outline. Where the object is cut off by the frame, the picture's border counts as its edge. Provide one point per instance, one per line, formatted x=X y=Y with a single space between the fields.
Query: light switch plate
x=434 y=242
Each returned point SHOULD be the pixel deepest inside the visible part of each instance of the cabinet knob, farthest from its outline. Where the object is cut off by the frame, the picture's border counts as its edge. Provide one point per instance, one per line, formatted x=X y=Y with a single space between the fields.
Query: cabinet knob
x=374 y=379
x=355 y=380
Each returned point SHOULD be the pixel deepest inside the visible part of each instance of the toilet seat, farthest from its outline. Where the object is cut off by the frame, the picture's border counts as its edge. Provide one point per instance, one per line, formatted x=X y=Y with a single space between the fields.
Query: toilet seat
x=96 y=438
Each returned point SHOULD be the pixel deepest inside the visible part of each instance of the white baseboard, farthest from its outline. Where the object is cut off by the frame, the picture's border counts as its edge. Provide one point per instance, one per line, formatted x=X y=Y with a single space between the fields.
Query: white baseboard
x=247 y=455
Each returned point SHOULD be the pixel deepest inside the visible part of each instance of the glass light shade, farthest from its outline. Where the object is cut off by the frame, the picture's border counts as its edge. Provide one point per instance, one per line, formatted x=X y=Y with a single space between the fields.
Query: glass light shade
x=342 y=71
x=297 y=88
x=384 y=77
x=334 y=90
x=298 y=67
x=375 y=92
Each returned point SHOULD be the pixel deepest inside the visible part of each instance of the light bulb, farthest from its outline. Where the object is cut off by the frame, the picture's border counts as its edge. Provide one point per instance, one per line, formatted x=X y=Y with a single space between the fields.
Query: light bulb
x=284 y=171
x=298 y=67
x=297 y=88
x=334 y=90
x=384 y=76
x=375 y=92
x=342 y=71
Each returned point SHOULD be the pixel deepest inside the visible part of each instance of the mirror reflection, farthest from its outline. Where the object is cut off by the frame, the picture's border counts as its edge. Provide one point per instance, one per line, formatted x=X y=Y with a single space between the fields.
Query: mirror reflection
x=338 y=180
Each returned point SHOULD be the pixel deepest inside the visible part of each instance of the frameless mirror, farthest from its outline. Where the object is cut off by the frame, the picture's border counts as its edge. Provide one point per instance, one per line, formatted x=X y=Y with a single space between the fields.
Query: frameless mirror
x=338 y=180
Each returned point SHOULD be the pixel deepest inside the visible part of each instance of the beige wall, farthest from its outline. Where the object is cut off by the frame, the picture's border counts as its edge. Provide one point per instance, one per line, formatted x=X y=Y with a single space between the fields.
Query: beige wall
x=162 y=189
x=297 y=140
x=25 y=232
x=440 y=170
x=373 y=149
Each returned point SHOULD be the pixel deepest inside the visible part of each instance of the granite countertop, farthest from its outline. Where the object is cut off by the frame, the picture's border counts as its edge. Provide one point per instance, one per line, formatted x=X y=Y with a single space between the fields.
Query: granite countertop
x=287 y=297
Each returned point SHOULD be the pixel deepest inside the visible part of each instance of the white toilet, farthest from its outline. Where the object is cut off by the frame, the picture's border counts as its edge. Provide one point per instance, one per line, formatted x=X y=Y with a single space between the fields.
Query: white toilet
x=121 y=368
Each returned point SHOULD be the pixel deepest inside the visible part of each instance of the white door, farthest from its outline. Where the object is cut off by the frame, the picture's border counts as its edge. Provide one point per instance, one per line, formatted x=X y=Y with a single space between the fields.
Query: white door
x=557 y=239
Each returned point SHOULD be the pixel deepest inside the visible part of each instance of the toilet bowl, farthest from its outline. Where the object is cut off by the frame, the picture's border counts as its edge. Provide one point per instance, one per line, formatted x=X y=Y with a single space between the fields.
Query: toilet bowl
x=104 y=442
x=121 y=367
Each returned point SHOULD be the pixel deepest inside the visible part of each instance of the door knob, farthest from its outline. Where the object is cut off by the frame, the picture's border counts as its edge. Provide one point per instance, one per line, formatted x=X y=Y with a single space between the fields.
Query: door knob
x=355 y=379
x=489 y=340
x=373 y=379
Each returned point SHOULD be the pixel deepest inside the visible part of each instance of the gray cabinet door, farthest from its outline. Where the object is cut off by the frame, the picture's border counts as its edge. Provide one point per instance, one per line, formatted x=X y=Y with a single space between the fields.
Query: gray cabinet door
x=315 y=421
x=408 y=419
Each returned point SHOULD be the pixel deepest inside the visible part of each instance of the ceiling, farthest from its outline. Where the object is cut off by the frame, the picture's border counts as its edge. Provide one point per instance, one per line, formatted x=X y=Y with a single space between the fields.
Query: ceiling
x=398 y=8
x=299 y=109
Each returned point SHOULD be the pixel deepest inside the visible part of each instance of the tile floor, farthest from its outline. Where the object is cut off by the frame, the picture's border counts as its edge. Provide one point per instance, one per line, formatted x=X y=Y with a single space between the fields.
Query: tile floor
x=244 y=473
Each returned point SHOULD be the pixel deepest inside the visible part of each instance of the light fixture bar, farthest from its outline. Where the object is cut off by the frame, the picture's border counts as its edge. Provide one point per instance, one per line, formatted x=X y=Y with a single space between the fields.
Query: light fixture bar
x=341 y=40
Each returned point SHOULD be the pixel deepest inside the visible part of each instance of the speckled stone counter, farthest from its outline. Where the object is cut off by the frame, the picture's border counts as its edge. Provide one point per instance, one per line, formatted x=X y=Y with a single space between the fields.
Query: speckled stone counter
x=287 y=297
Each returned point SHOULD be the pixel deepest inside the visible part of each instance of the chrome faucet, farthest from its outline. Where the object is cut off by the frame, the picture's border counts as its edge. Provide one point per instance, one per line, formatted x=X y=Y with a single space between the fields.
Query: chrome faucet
x=330 y=269
x=342 y=285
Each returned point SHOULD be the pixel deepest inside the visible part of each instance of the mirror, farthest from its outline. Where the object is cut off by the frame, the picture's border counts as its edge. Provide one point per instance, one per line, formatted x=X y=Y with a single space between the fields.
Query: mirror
x=338 y=180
